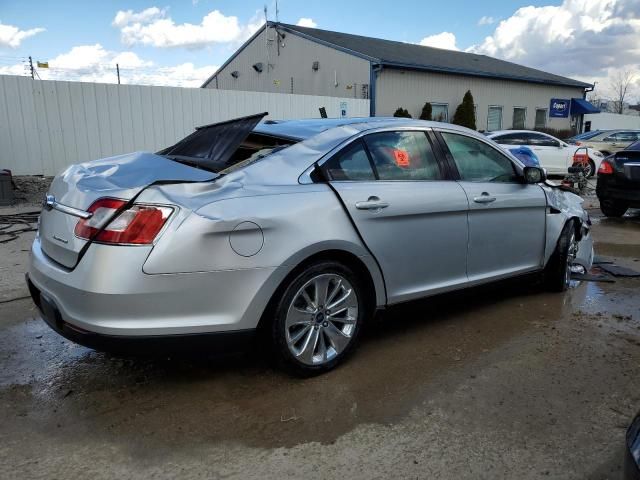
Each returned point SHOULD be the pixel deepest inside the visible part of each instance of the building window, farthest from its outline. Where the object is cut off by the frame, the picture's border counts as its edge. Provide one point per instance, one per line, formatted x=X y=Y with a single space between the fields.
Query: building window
x=519 y=118
x=494 y=118
x=541 y=118
x=440 y=112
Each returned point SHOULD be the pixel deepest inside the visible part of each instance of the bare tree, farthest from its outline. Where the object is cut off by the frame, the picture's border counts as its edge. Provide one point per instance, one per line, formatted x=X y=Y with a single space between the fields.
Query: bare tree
x=619 y=86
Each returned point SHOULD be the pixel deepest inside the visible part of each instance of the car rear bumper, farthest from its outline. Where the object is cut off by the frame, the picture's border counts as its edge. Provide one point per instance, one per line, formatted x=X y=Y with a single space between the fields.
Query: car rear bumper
x=108 y=294
x=218 y=343
x=607 y=190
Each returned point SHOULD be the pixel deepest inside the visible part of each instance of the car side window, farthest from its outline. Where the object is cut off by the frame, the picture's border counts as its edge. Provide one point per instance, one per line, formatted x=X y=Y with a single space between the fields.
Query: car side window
x=542 y=140
x=477 y=161
x=403 y=156
x=351 y=164
x=511 y=139
x=626 y=137
x=611 y=138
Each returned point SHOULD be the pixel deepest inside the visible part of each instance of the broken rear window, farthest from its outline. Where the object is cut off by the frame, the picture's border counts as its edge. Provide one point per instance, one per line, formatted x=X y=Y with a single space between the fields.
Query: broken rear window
x=225 y=146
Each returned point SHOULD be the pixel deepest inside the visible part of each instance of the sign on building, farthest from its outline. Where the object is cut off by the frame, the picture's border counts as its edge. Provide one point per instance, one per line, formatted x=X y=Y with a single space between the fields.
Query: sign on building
x=343 y=109
x=559 y=108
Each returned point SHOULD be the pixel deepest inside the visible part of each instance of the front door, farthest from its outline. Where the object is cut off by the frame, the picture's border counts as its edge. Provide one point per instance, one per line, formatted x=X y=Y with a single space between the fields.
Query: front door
x=550 y=152
x=506 y=217
x=411 y=218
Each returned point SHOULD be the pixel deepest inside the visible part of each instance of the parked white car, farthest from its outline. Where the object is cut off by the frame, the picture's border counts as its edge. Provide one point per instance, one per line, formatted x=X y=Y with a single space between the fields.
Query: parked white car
x=555 y=155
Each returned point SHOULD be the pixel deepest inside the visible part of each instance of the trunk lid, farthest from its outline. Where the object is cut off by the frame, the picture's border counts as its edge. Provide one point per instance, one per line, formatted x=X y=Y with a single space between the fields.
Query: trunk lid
x=121 y=177
x=627 y=167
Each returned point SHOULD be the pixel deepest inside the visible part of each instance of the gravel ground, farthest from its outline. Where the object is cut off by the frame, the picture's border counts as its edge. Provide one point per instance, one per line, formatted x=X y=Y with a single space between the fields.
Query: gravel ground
x=499 y=382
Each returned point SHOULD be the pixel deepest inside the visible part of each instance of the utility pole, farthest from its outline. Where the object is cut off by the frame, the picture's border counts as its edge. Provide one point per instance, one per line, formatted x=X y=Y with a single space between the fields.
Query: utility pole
x=31 y=68
x=118 y=72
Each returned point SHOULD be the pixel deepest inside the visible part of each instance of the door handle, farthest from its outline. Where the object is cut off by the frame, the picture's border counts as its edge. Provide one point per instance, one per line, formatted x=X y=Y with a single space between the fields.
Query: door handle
x=373 y=203
x=484 y=198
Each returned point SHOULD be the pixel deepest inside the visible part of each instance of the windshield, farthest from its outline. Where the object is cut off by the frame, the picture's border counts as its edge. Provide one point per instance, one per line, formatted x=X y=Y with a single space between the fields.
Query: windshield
x=222 y=146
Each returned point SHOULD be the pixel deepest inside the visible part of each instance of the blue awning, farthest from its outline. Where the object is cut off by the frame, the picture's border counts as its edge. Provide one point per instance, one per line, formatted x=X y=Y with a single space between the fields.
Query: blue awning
x=580 y=106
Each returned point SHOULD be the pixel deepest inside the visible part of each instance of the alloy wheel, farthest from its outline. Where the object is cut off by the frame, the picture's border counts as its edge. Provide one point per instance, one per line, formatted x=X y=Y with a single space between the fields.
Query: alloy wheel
x=321 y=319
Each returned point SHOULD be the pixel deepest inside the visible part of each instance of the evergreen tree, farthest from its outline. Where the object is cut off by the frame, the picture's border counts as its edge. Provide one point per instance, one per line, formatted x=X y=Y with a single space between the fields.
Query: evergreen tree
x=465 y=113
x=426 y=112
x=402 y=112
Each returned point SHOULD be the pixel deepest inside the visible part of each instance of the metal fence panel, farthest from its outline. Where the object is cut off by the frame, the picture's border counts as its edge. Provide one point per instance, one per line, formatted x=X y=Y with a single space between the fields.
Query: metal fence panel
x=46 y=125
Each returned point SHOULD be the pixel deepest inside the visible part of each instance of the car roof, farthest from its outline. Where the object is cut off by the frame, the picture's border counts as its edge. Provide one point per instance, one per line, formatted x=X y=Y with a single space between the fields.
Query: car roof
x=304 y=129
x=618 y=130
x=504 y=132
x=314 y=138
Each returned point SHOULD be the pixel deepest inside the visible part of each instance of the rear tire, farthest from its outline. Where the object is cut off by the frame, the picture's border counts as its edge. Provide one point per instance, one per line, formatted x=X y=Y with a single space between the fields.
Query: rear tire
x=613 y=208
x=557 y=274
x=318 y=318
x=592 y=169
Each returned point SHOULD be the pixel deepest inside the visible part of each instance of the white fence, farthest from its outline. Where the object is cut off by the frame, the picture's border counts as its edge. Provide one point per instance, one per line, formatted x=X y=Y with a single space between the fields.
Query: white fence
x=612 y=121
x=47 y=125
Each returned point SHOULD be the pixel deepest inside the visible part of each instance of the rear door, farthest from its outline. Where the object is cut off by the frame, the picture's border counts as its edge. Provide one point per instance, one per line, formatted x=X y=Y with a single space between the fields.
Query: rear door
x=411 y=217
x=506 y=217
x=550 y=152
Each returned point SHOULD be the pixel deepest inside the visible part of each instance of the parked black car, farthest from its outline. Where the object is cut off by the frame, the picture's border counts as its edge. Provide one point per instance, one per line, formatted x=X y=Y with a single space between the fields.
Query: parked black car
x=618 y=186
x=632 y=451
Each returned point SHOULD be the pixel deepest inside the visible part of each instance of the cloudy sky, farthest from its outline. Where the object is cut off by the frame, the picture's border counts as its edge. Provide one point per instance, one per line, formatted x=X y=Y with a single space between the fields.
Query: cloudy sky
x=183 y=42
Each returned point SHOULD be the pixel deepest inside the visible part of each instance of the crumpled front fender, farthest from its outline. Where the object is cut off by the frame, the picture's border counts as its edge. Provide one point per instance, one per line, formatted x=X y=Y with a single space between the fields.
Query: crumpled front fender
x=562 y=207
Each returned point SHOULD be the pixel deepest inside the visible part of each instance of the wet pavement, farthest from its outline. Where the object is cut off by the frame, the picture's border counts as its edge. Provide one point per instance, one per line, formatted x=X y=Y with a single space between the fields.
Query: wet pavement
x=505 y=381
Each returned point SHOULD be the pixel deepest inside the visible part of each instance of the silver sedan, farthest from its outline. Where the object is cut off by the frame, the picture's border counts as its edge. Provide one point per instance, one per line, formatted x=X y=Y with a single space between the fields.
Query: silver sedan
x=298 y=230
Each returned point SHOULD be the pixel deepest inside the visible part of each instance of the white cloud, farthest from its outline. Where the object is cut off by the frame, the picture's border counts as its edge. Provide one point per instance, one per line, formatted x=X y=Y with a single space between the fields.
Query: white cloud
x=306 y=22
x=486 y=20
x=585 y=39
x=446 y=40
x=93 y=63
x=90 y=56
x=11 y=36
x=155 y=28
x=125 y=17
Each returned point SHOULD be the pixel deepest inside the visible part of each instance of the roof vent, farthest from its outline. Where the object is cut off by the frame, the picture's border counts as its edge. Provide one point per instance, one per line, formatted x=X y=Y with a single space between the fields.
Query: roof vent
x=315 y=66
x=235 y=74
x=258 y=67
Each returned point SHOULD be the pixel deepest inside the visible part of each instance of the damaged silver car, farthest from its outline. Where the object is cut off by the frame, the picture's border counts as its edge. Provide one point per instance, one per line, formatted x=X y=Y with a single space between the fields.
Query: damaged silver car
x=299 y=229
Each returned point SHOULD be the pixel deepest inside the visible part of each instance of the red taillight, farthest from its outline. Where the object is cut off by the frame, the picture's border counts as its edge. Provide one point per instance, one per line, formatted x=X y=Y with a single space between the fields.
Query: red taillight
x=138 y=224
x=605 y=168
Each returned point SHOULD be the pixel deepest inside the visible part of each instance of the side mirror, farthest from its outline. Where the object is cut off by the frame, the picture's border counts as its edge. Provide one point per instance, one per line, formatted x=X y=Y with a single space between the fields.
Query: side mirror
x=534 y=175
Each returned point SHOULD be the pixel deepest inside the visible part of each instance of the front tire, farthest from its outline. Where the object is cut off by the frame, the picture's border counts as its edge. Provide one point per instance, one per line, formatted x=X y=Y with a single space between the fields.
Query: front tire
x=318 y=318
x=613 y=208
x=557 y=274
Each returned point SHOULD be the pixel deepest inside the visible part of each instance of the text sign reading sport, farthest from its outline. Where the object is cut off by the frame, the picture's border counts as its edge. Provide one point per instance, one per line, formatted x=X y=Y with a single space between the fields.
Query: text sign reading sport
x=559 y=108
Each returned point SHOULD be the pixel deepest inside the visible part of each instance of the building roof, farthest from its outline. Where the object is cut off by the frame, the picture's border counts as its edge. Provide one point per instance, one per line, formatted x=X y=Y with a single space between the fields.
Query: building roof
x=411 y=56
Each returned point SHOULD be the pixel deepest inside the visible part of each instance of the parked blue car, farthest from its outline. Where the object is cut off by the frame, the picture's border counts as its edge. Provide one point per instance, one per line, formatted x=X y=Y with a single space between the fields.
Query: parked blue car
x=526 y=156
